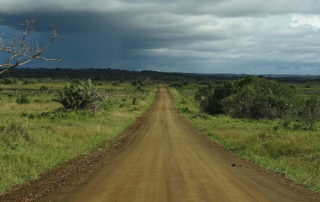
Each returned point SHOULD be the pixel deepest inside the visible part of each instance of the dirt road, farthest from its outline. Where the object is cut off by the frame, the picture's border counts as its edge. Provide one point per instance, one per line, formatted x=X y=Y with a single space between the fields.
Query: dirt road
x=169 y=160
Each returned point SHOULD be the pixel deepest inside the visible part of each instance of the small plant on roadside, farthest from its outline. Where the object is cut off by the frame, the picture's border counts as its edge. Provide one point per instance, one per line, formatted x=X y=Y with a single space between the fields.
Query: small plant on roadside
x=134 y=101
x=43 y=88
x=14 y=132
x=80 y=95
x=22 y=98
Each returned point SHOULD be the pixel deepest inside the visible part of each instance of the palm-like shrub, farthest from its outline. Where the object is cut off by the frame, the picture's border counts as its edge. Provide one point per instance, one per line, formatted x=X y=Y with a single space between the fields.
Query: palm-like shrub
x=22 y=98
x=79 y=95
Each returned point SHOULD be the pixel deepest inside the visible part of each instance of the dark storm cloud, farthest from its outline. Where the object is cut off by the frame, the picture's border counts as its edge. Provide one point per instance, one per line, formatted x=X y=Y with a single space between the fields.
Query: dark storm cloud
x=195 y=36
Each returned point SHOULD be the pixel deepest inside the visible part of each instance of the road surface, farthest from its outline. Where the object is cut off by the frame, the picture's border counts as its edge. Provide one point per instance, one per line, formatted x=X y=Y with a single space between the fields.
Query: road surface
x=169 y=160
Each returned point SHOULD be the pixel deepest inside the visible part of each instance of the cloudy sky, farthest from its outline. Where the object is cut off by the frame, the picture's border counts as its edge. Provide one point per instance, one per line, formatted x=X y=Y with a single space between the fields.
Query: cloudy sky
x=205 y=36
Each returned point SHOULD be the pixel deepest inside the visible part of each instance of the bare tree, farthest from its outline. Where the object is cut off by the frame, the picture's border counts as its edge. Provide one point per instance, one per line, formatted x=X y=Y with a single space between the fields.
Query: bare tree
x=21 y=51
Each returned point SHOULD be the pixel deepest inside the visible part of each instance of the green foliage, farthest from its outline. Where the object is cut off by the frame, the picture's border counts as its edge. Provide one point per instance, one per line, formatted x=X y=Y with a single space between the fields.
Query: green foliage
x=212 y=103
x=22 y=98
x=139 y=88
x=137 y=83
x=17 y=129
x=79 y=95
x=9 y=81
x=39 y=136
x=43 y=88
x=310 y=112
x=249 y=97
x=115 y=83
x=176 y=85
x=134 y=101
x=282 y=145
x=26 y=82
x=203 y=92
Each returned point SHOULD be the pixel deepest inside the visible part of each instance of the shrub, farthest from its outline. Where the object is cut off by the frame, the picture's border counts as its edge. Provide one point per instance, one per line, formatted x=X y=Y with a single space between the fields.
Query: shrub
x=310 y=112
x=212 y=103
x=14 y=132
x=139 y=88
x=249 y=97
x=137 y=83
x=134 y=83
x=43 y=88
x=134 y=101
x=9 y=81
x=53 y=115
x=80 y=95
x=176 y=85
x=203 y=92
x=115 y=83
x=22 y=98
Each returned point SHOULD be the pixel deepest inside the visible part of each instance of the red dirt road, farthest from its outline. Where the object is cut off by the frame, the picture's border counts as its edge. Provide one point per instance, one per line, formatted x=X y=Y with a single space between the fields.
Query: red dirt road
x=167 y=159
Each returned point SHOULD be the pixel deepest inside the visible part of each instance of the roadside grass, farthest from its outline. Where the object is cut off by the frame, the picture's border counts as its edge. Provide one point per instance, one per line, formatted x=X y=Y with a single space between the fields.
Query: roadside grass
x=294 y=153
x=37 y=136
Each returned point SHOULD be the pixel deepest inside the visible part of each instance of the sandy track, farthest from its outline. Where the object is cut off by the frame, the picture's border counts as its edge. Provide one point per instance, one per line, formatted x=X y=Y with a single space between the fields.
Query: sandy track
x=167 y=159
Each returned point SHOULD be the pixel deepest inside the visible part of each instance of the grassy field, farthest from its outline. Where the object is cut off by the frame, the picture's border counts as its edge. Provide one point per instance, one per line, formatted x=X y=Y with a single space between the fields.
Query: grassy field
x=37 y=136
x=294 y=153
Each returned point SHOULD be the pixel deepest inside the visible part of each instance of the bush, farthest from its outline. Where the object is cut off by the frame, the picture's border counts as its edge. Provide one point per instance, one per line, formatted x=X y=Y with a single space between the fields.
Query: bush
x=22 y=98
x=43 y=88
x=249 y=97
x=176 y=85
x=115 y=83
x=134 y=101
x=310 y=112
x=203 y=92
x=14 y=132
x=137 y=83
x=9 y=81
x=80 y=95
x=139 y=88
x=212 y=103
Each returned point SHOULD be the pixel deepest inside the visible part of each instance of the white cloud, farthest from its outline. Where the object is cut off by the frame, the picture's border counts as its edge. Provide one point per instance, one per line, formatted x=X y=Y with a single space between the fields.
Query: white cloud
x=299 y=20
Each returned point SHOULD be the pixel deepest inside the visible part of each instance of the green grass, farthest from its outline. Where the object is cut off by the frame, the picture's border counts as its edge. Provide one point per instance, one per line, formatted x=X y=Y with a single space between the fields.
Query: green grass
x=305 y=89
x=294 y=153
x=37 y=136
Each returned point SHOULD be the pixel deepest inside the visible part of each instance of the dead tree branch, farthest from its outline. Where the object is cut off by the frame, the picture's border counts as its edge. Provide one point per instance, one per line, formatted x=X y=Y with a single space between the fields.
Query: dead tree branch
x=21 y=51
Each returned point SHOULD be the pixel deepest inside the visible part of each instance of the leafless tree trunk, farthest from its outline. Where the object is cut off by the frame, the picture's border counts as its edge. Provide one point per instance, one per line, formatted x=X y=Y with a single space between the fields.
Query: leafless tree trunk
x=21 y=51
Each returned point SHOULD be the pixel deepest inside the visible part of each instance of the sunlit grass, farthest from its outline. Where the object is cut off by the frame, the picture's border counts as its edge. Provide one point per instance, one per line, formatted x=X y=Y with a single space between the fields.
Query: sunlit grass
x=37 y=136
x=294 y=153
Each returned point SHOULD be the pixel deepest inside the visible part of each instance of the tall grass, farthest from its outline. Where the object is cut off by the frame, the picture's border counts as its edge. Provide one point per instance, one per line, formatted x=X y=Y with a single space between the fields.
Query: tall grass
x=294 y=153
x=37 y=136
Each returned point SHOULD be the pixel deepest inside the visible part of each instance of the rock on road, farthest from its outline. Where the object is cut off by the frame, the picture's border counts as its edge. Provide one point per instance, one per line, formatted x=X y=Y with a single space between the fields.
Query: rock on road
x=169 y=160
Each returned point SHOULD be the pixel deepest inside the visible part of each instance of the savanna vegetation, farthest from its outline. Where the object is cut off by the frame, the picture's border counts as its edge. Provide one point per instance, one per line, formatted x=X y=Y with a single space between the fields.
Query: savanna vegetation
x=45 y=121
x=274 y=124
x=51 y=116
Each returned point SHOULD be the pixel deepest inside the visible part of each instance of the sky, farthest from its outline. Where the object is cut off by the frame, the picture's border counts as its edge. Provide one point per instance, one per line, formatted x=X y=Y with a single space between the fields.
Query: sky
x=202 y=36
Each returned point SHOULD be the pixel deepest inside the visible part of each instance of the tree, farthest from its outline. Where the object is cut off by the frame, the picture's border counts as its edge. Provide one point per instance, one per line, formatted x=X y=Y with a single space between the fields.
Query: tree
x=249 y=97
x=21 y=50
